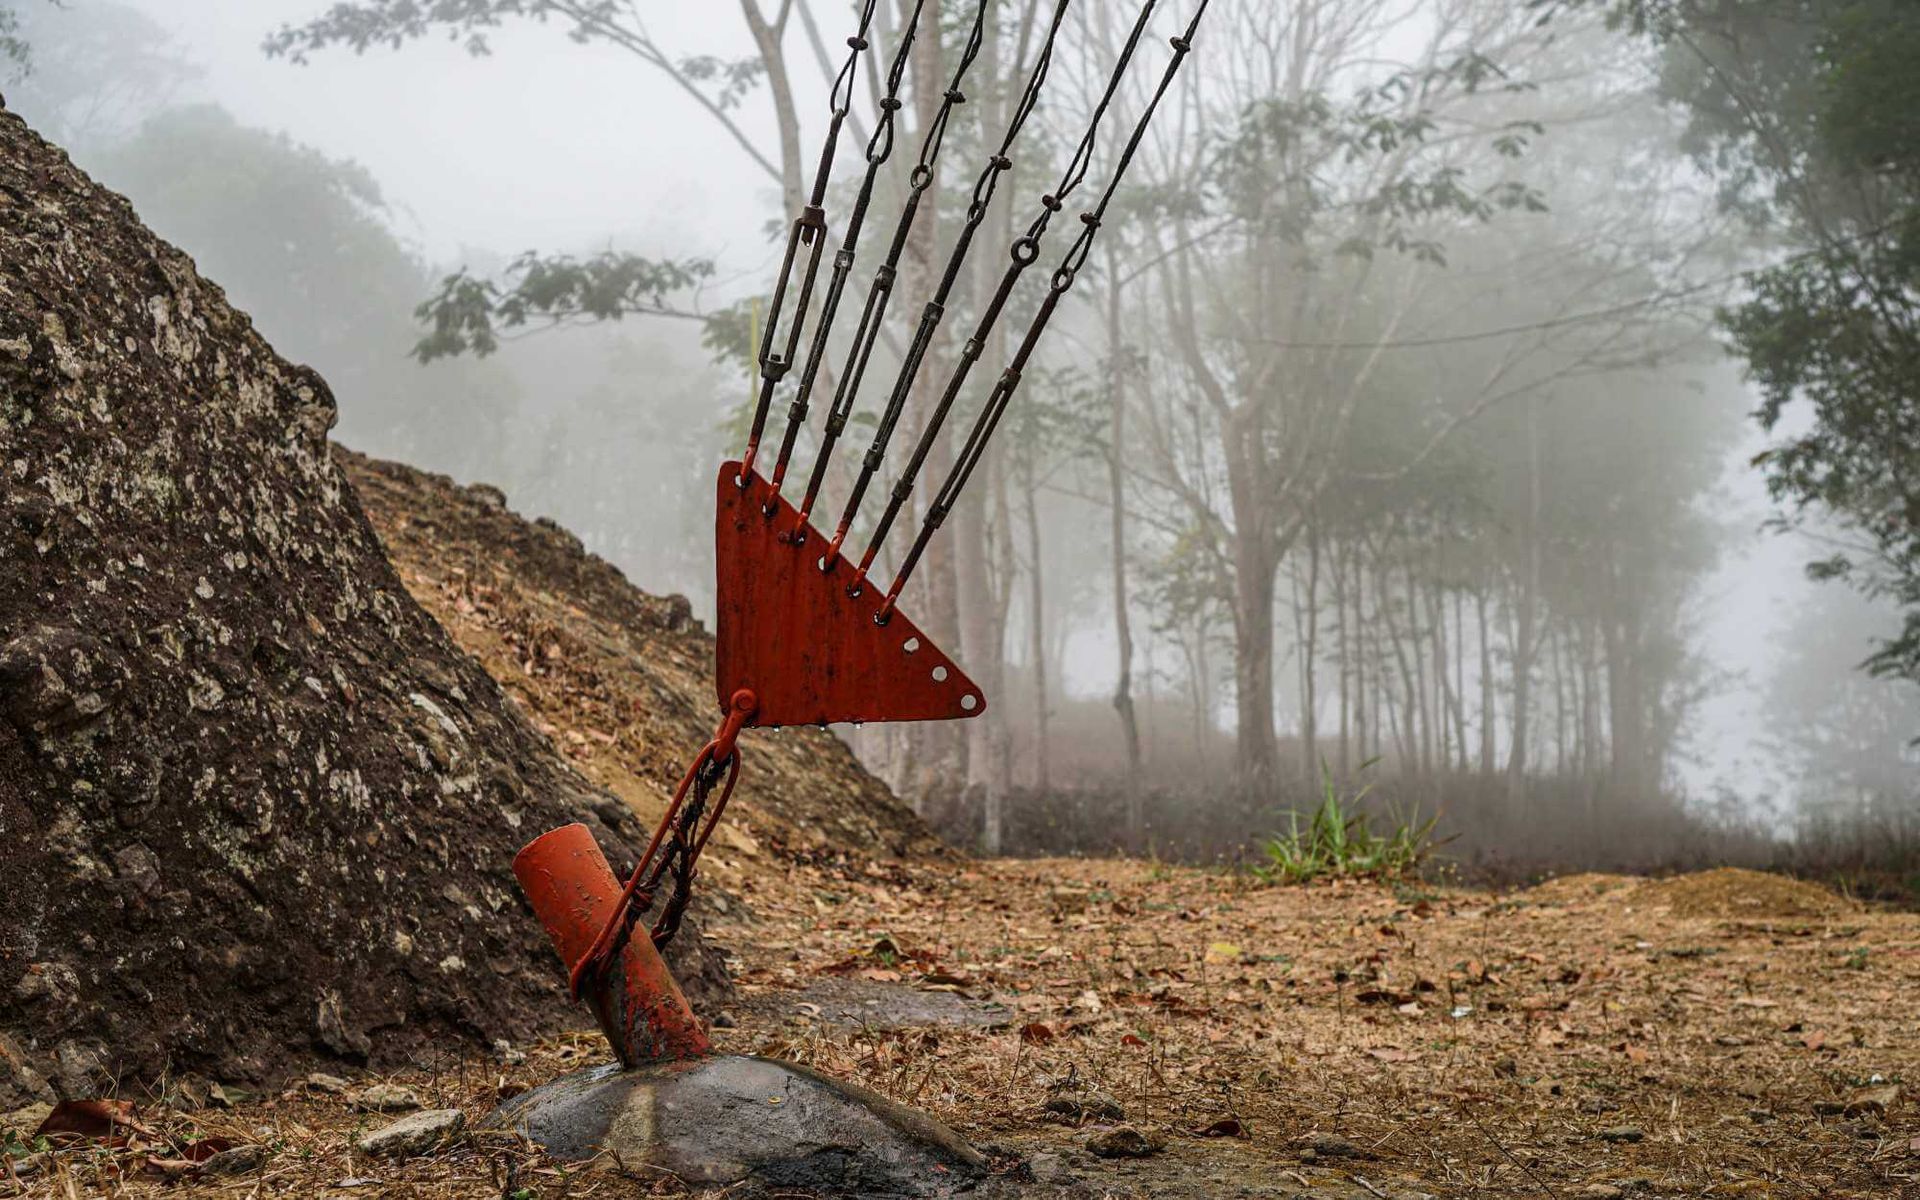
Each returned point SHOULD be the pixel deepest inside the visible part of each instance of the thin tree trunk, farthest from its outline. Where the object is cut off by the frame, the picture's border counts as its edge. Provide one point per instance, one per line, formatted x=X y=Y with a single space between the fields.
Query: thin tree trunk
x=1037 y=631
x=1309 y=651
x=1345 y=659
x=1117 y=531
x=943 y=748
x=766 y=39
x=1419 y=715
x=1523 y=647
x=1486 y=682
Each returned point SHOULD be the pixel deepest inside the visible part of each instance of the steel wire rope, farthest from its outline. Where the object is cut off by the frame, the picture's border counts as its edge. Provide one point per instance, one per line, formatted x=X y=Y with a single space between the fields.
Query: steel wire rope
x=879 y=150
x=1003 y=391
x=809 y=230
x=881 y=290
x=1023 y=253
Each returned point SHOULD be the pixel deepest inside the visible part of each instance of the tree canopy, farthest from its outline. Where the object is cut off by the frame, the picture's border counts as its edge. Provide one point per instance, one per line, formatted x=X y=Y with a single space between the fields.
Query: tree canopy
x=1807 y=113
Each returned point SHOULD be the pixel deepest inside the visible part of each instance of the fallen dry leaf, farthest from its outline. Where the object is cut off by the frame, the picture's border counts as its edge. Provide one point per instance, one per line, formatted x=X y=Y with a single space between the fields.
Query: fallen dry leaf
x=92 y=1119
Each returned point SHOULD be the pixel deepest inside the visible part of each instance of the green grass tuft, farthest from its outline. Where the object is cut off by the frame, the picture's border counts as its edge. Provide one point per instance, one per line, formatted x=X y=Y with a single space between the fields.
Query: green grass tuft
x=1338 y=841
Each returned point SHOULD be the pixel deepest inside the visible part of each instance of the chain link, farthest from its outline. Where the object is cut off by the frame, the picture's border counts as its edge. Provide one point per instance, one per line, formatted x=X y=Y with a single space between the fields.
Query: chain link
x=998 y=164
x=879 y=149
x=995 y=407
x=809 y=232
x=1025 y=250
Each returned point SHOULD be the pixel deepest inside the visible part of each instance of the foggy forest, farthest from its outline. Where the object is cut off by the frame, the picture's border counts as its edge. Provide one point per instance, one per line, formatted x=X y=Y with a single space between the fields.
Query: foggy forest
x=1430 y=550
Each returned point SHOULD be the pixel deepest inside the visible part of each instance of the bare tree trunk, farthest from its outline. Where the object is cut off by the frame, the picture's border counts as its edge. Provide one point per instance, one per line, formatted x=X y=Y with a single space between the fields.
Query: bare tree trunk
x=767 y=37
x=1257 y=754
x=1195 y=644
x=1460 y=680
x=1419 y=714
x=1486 y=682
x=942 y=748
x=1117 y=509
x=1309 y=699
x=1405 y=736
x=1523 y=647
x=1363 y=633
x=1037 y=629
x=1341 y=639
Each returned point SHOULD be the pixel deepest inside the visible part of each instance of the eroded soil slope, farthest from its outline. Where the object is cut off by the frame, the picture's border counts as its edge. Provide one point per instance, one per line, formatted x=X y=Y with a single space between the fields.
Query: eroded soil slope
x=622 y=681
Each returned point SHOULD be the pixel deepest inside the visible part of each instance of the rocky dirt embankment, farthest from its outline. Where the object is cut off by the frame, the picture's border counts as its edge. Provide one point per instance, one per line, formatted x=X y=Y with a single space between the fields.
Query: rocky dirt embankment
x=255 y=805
x=622 y=681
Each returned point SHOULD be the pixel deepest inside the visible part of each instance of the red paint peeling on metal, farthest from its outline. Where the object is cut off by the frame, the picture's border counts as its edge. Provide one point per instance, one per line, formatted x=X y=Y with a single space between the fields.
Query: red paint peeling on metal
x=790 y=631
x=639 y=1006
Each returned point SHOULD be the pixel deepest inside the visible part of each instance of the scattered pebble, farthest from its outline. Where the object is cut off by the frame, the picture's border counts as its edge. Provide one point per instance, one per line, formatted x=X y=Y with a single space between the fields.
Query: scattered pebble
x=332 y=1085
x=1622 y=1133
x=1124 y=1141
x=241 y=1160
x=24 y=1121
x=413 y=1135
x=1874 y=1100
x=1332 y=1145
x=387 y=1098
x=1089 y=1106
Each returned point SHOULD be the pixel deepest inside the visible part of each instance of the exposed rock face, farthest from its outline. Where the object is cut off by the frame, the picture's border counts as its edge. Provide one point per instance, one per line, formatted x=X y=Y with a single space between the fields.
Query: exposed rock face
x=254 y=803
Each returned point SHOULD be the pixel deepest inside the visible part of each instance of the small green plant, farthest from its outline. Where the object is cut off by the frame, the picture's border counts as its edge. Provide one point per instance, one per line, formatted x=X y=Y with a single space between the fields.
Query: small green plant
x=1339 y=841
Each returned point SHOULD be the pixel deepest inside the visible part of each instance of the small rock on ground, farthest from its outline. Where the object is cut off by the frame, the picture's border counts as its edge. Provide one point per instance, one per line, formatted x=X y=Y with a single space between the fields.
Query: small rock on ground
x=1092 y=1106
x=1124 y=1141
x=241 y=1160
x=1051 y=1169
x=419 y=1133
x=387 y=1098
x=1332 y=1145
x=1874 y=1100
x=1622 y=1133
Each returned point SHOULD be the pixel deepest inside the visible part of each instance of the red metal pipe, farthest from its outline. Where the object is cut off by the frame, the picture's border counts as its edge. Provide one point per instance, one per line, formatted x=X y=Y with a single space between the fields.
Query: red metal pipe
x=639 y=1006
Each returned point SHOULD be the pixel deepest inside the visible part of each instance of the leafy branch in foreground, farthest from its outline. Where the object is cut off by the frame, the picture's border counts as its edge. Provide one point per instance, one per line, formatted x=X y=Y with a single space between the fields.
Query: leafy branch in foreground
x=1338 y=841
x=468 y=313
x=13 y=47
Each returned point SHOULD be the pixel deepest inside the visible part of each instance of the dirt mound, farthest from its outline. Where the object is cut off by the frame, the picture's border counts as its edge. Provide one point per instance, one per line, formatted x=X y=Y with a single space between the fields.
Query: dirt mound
x=1733 y=892
x=254 y=803
x=621 y=680
x=1580 y=888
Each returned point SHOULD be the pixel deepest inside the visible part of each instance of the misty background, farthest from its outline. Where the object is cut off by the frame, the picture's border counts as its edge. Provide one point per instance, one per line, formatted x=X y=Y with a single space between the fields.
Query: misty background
x=1549 y=364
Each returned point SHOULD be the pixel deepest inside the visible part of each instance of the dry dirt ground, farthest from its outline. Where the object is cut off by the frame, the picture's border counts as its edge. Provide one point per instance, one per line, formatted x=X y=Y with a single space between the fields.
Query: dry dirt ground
x=1718 y=1035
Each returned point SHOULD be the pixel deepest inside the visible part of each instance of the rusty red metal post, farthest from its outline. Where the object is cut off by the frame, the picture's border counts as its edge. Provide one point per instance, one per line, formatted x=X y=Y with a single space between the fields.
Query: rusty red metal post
x=639 y=1006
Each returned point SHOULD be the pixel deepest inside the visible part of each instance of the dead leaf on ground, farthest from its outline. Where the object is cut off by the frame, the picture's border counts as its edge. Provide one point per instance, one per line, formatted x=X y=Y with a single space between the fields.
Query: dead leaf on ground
x=1224 y=1127
x=92 y=1119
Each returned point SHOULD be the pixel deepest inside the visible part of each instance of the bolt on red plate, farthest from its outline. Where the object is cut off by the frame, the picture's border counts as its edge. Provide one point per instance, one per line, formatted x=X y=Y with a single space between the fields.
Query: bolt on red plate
x=804 y=638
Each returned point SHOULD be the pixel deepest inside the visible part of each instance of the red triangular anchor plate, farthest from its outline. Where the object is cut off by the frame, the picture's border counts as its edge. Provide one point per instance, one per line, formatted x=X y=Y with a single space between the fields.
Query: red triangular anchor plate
x=810 y=652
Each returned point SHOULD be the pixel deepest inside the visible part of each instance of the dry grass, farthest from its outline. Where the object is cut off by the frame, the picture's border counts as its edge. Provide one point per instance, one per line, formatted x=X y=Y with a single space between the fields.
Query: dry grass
x=1471 y=1045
